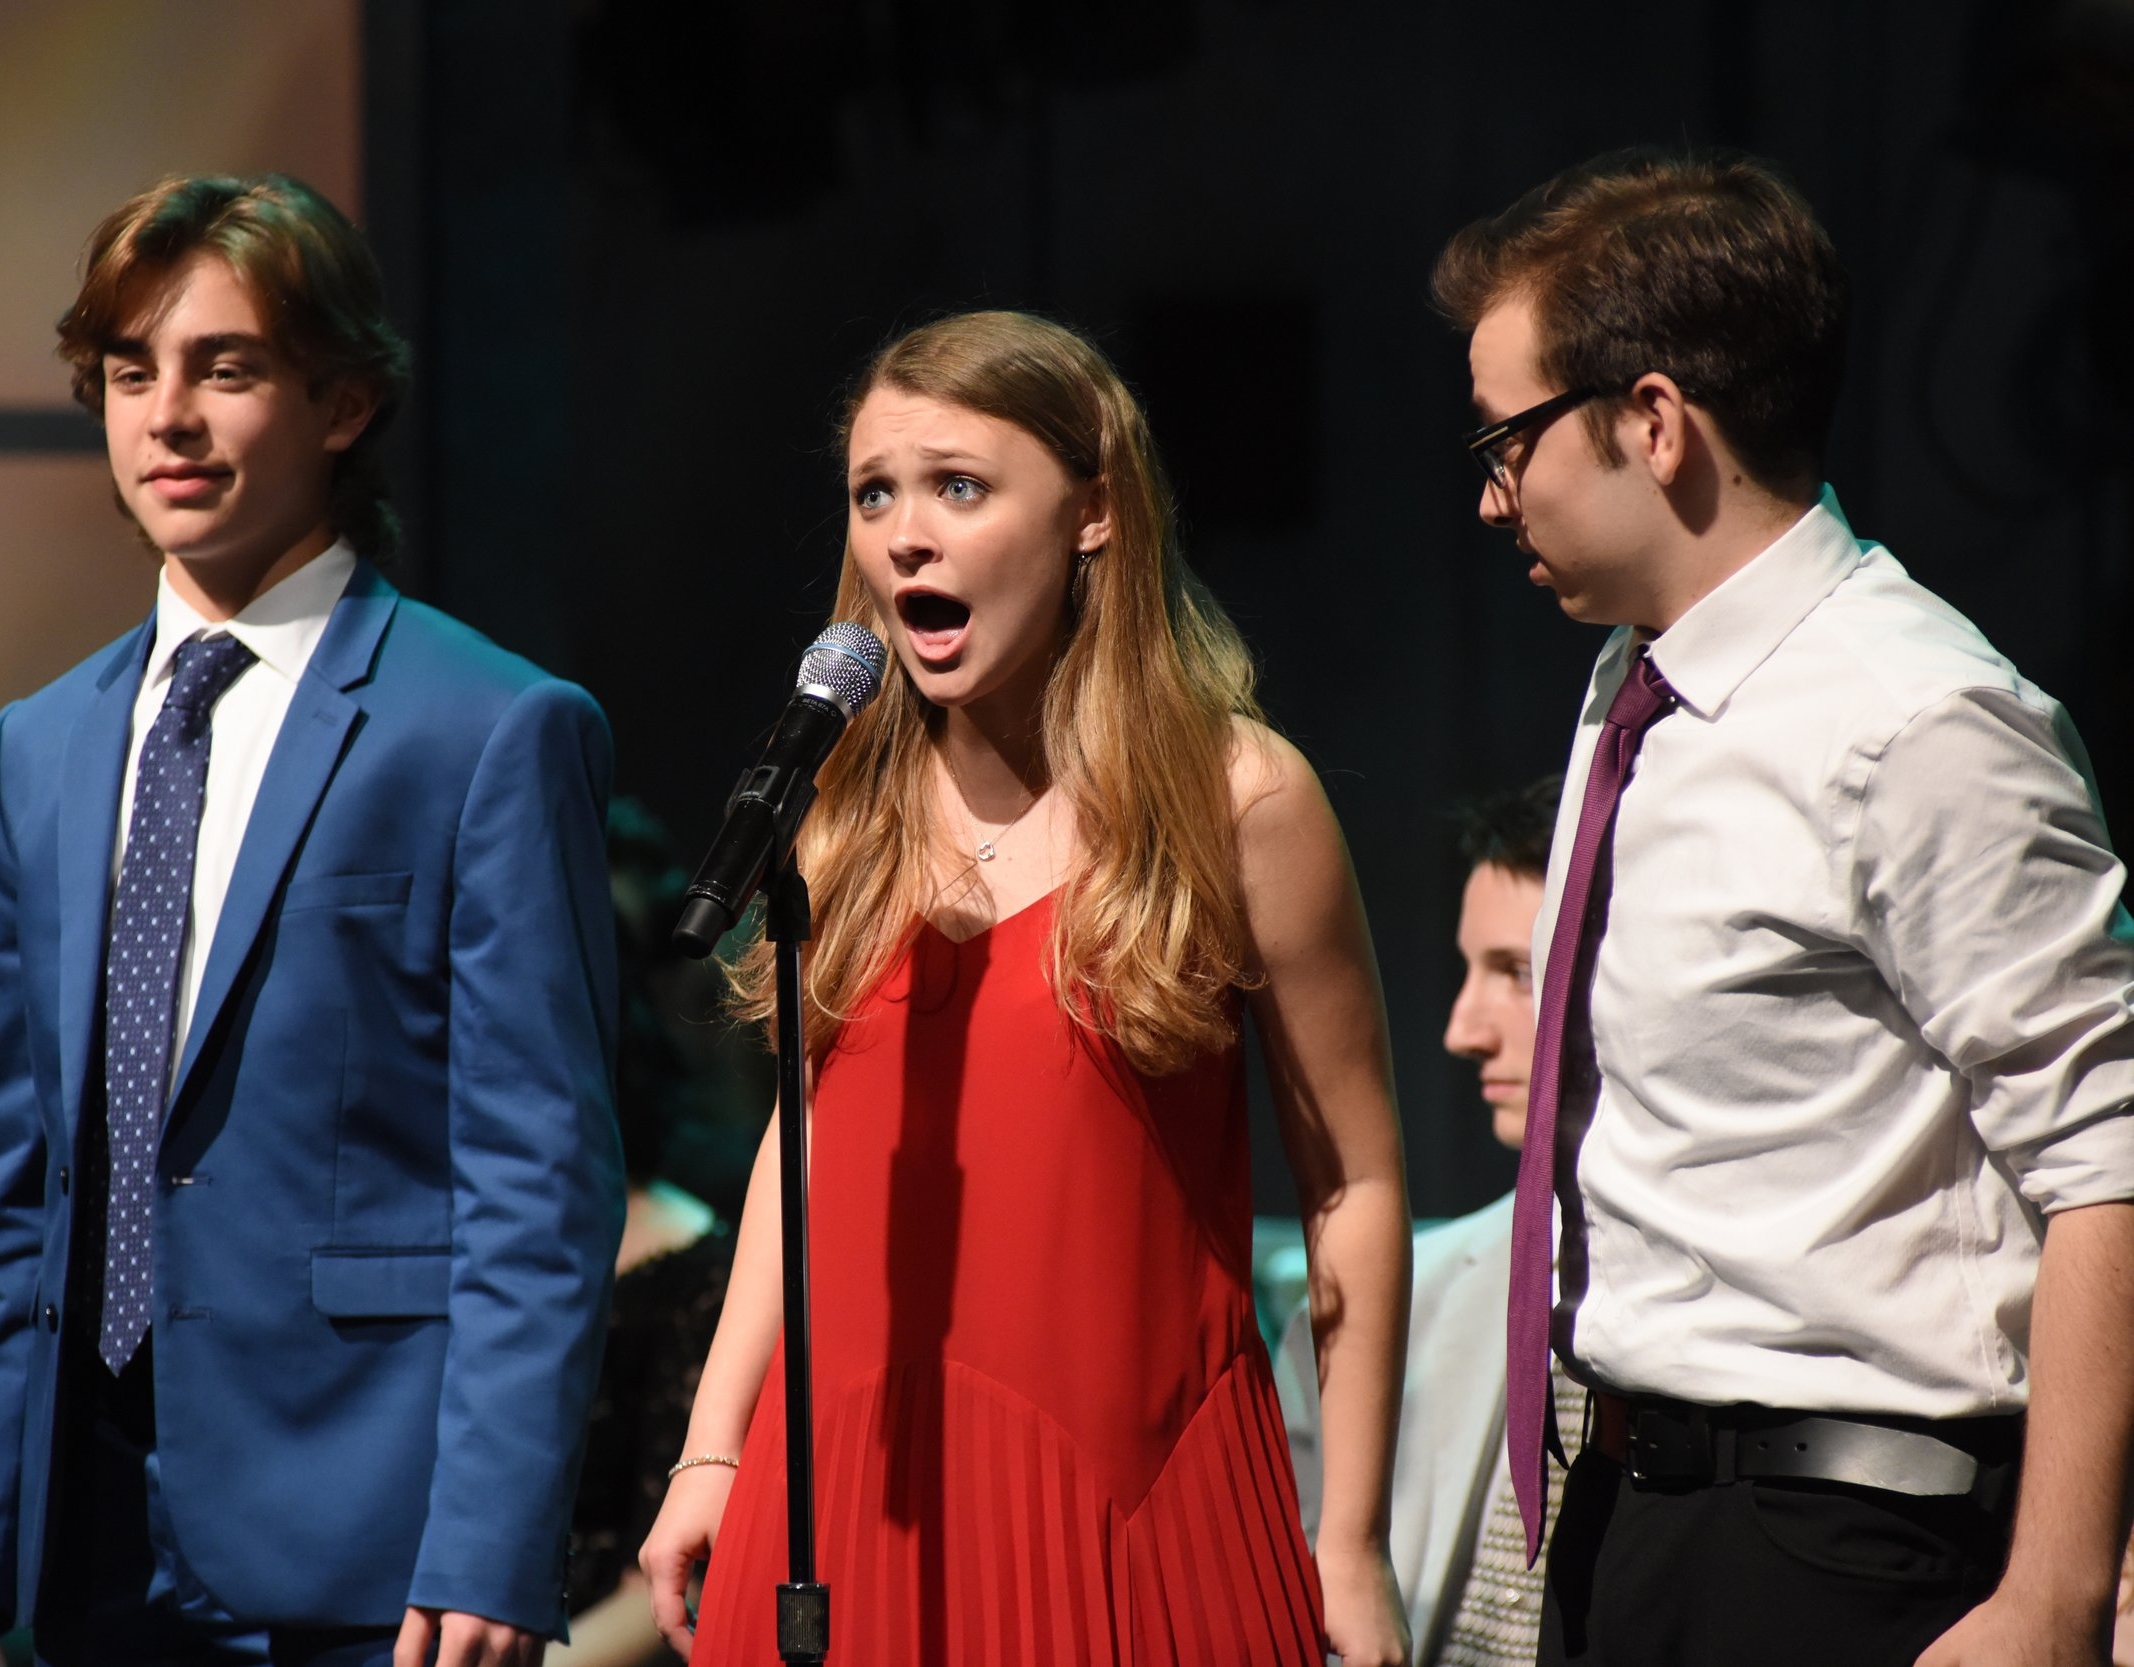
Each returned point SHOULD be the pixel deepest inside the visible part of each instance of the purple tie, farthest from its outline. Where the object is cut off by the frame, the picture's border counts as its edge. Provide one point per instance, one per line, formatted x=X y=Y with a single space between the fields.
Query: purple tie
x=1643 y=698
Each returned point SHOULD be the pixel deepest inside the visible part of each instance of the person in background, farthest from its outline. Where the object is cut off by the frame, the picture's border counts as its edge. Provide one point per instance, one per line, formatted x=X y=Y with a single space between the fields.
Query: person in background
x=1050 y=865
x=670 y=1275
x=1456 y=1542
x=309 y=1181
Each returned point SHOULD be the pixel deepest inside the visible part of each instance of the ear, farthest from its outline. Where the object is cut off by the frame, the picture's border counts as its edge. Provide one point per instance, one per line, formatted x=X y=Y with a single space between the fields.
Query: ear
x=1095 y=531
x=1659 y=424
x=350 y=405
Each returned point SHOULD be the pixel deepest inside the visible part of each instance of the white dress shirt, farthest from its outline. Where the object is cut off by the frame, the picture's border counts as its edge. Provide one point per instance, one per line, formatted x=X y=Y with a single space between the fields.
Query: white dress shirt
x=1860 y=1010
x=281 y=626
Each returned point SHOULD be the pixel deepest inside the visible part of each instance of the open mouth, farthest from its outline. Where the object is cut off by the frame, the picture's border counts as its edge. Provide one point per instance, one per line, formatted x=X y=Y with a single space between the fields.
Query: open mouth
x=936 y=623
x=924 y=611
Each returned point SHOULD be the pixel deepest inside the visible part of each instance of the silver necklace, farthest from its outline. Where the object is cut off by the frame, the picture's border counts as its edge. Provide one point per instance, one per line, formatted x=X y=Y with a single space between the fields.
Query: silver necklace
x=988 y=849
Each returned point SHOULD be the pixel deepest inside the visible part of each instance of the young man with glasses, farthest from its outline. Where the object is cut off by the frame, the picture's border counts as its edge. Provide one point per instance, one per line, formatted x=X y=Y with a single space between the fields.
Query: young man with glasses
x=1834 y=1057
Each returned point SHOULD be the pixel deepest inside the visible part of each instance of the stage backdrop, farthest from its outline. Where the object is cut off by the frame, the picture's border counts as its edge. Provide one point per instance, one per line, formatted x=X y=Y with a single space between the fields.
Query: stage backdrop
x=640 y=248
x=659 y=241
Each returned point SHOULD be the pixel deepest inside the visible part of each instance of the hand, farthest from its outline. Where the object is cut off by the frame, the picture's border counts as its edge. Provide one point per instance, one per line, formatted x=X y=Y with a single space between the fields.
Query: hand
x=1366 y=1624
x=2009 y=1631
x=462 y=1640
x=681 y=1538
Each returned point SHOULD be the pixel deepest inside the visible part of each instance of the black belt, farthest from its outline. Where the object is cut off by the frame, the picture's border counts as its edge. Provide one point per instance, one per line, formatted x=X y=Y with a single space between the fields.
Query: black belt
x=1679 y=1444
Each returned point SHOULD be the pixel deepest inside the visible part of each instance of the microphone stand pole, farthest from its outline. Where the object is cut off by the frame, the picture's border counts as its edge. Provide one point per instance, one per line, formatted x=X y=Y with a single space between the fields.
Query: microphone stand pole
x=803 y=1602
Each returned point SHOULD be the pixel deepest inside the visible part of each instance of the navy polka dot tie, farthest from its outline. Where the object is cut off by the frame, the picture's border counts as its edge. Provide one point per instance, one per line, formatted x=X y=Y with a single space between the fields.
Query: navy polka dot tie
x=141 y=973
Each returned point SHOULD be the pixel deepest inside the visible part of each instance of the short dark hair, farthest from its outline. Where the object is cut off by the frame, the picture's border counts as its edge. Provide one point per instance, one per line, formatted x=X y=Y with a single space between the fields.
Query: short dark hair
x=313 y=278
x=1706 y=266
x=1511 y=829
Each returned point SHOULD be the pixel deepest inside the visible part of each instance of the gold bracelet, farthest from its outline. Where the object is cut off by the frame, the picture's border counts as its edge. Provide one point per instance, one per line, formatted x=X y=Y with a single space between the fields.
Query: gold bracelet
x=680 y=1465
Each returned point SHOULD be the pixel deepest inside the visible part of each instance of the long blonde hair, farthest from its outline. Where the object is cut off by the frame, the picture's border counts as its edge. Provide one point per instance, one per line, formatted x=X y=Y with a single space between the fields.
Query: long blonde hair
x=1148 y=938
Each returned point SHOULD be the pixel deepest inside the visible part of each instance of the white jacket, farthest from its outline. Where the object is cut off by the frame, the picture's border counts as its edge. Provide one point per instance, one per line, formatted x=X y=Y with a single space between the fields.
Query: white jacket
x=1451 y=1442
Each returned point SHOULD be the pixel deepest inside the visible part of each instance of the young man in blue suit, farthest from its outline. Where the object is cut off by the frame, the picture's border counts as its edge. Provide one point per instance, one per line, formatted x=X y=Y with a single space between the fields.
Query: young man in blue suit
x=309 y=1181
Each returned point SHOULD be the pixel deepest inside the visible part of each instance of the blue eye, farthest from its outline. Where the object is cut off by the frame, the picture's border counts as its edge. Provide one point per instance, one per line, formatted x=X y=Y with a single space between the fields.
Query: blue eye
x=870 y=497
x=961 y=489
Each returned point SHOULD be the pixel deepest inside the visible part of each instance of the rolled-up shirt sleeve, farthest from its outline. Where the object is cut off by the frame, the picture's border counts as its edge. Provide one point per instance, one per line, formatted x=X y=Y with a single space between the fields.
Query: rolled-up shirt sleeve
x=1990 y=899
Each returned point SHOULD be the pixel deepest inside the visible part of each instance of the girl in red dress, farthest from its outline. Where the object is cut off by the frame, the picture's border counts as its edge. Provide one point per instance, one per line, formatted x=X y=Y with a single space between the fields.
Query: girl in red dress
x=1050 y=864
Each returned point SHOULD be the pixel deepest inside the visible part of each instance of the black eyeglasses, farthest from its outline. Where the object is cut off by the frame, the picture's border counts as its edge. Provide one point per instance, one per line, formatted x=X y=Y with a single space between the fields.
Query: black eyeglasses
x=1486 y=445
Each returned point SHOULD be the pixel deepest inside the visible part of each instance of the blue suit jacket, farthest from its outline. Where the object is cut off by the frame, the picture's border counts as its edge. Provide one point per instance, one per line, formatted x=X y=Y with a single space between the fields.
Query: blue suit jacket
x=389 y=1185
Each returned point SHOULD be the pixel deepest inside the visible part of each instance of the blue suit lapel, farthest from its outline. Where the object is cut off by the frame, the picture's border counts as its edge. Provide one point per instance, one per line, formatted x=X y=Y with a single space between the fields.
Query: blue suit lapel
x=88 y=832
x=314 y=735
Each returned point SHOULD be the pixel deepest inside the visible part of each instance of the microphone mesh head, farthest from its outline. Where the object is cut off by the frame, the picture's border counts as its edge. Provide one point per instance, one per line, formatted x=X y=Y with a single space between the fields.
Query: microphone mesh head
x=845 y=664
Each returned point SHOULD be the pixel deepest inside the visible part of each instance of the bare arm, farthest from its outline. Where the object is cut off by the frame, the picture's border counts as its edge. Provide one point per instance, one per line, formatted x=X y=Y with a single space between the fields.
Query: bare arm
x=2054 y=1603
x=688 y=1523
x=1322 y=1023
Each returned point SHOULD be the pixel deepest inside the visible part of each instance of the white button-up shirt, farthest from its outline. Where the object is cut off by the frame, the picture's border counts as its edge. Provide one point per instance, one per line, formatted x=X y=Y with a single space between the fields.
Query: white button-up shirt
x=1861 y=1008
x=282 y=626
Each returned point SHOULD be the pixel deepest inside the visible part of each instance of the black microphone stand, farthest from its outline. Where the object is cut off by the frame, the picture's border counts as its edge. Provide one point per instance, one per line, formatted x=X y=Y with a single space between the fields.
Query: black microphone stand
x=803 y=1601
x=839 y=674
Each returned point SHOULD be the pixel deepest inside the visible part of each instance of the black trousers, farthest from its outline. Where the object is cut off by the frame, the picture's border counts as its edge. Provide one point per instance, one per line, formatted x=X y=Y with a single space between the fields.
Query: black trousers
x=1757 y=1573
x=117 y=1591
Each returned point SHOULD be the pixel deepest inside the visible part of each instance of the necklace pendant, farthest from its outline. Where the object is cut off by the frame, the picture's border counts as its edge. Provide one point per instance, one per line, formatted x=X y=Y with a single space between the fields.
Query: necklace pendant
x=986 y=852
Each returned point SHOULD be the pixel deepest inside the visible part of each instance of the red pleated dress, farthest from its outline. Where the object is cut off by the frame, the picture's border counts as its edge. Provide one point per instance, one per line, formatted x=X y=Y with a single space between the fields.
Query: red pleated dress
x=1046 y=1429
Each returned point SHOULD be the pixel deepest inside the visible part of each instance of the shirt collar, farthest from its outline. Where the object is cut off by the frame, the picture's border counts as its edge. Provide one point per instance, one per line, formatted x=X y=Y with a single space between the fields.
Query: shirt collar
x=281 y=625
x=1708 y=653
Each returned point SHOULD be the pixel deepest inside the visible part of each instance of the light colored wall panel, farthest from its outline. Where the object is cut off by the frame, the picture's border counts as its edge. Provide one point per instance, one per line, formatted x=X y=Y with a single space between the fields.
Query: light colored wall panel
x=73 y=575
x=100 y=98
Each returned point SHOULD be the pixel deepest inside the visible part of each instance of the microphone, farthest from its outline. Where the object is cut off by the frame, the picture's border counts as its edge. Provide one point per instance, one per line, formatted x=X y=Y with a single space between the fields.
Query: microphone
x=839 y=674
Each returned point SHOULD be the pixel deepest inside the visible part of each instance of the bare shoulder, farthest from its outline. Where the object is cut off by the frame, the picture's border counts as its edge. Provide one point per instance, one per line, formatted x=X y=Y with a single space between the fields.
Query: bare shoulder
x=1270 y=780
x=1292 y=859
